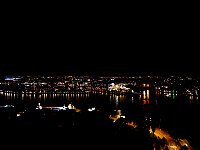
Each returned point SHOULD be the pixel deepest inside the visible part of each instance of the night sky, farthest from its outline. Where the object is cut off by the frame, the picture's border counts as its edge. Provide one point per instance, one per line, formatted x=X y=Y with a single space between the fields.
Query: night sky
x=99 y=42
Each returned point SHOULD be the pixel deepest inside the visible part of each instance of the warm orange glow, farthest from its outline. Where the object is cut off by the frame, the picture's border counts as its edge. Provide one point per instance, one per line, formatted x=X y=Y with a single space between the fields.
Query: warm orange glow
x=146 y=101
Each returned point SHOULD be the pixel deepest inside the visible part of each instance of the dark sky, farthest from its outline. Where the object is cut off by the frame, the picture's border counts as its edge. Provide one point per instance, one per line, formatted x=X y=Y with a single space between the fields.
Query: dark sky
x=100 y=41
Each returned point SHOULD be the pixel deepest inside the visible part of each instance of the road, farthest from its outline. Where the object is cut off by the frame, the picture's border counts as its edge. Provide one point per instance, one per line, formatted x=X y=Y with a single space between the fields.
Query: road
x=172 y=143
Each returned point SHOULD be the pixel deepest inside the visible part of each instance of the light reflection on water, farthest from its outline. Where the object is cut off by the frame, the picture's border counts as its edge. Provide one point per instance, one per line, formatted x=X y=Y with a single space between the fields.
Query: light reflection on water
x=98 y=100
x=147 y=100
x=116 y=101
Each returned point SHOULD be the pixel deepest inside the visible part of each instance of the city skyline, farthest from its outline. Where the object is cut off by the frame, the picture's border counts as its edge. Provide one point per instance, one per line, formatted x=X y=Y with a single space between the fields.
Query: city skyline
x=87 y=72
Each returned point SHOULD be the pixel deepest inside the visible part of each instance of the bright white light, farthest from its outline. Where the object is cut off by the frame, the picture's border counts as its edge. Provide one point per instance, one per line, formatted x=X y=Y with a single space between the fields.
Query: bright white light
x=8 y=106
x=91 y=109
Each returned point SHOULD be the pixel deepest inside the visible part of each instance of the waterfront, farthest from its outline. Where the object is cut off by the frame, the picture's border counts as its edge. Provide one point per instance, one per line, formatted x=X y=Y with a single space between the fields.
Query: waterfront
x=177 y=115
x=171 y=108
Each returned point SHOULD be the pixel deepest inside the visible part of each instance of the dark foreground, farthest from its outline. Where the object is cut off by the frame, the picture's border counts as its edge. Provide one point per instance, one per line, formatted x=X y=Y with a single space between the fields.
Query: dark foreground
x=69 y=129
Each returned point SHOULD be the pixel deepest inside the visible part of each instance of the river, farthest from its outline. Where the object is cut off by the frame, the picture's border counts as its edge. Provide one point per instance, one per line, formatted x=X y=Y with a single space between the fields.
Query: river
x=177 y=114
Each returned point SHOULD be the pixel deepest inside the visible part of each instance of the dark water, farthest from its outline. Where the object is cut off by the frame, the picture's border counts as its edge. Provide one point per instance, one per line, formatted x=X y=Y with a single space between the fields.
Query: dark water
x=177 y=114
x=104 y=102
